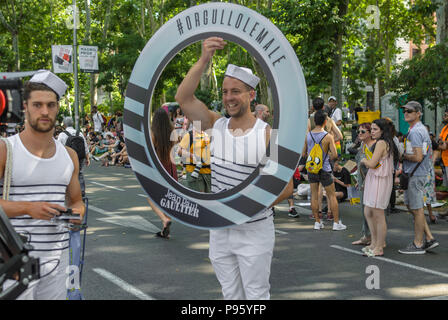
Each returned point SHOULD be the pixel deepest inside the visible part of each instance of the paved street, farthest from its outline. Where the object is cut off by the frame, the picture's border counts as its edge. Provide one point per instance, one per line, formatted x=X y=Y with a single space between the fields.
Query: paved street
x=124 y=260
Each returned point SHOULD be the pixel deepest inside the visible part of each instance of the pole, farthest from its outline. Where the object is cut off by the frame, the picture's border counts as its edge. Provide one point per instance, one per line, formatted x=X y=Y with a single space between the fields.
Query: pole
x=75 y=68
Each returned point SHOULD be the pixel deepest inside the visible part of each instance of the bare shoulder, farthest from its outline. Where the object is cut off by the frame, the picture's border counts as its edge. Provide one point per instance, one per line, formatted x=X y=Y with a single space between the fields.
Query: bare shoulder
x=328 y=137
x=268 y=132
x=73 y=155
x=381 y=144
x=214 y=116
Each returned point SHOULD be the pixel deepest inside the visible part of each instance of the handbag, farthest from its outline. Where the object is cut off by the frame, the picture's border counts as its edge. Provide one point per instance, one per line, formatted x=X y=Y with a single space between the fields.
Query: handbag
x=8 y=170
x=404 y=177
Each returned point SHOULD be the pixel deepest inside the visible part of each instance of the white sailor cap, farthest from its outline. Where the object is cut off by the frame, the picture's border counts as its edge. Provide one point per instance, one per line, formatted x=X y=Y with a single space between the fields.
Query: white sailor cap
x=244 y=74
x=50 y=80
x=332 y=98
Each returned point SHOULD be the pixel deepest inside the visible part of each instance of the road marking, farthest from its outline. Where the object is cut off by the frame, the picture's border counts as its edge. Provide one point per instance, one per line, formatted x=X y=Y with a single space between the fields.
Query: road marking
x=142 y=195
x=437 y=298
x=407 y=265
x=123 y=284
x=280 y=232
x=135 y=222
x=99 y=210
x=110 y=187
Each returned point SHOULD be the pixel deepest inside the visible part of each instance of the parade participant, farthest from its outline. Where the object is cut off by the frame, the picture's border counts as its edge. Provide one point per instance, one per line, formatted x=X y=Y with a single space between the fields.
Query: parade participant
x=365 y=150
x=241 y=255
x=97 y=119
x=416 y=163
x=161 y=129
x=44 y=177
x=378 y=184
x=62 y=137
x=262 y=112
x=335 y=112
x=195 y=149
x=318 y=136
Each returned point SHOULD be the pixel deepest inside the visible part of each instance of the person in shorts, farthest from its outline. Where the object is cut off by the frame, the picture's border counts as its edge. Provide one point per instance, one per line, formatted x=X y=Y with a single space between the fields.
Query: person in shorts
x=417 y=152
x=325 y=177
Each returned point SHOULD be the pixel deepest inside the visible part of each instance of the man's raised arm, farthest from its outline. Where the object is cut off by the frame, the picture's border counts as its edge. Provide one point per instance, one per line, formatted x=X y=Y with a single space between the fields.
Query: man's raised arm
x=193 y=108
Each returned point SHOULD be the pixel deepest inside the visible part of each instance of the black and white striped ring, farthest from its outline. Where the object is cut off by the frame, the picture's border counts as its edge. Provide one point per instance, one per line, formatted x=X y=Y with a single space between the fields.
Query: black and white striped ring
x=272 y=50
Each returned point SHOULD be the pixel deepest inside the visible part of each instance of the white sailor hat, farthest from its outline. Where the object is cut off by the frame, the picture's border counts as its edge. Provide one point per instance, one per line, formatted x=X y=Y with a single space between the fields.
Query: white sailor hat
x=332 y=98
x=50 y=80
x=244 y=74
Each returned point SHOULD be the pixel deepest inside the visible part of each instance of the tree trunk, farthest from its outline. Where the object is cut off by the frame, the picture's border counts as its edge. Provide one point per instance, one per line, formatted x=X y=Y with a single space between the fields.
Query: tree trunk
x=15 y=46
x=442 y=21
x=93 y=77
x=336 y=82
x=149 y=6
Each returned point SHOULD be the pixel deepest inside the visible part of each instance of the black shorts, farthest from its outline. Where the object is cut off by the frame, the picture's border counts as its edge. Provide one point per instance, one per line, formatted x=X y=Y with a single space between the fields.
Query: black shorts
x=323 y=177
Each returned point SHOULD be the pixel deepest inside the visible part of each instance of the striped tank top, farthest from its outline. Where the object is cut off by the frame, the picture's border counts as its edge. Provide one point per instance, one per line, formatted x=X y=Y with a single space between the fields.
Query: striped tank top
x=233 y=159
x=40 y=180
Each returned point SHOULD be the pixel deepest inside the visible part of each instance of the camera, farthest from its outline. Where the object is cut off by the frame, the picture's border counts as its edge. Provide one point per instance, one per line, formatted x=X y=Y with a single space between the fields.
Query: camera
x=11 y=106
x=67 y=215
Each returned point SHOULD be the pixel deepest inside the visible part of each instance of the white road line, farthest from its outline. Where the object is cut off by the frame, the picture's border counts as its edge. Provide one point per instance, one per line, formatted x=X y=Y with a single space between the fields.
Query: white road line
x=142 y=195
x=103 y=185
x=123 y=284
x=437 y=298
x=280 y=232
x=99 y=210
x=407 y=265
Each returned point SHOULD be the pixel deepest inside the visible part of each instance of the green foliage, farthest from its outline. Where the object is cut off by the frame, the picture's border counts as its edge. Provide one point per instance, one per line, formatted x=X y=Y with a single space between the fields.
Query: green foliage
x=121 y=28
x=310 y=27
x=424 y=77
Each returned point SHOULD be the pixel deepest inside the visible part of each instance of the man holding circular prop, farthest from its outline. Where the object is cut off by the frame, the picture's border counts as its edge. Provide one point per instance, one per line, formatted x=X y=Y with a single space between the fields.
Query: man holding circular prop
x=241 y=255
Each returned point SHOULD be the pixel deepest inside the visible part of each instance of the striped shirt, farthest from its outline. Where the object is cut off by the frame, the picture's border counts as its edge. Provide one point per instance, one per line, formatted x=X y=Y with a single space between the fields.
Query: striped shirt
x=40 y=180
x=233 y=159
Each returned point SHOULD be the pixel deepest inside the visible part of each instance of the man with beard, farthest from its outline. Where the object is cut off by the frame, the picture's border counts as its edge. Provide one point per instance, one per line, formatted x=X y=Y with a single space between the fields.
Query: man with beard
x=262 y=112
x=44 y=178
x=241 y=255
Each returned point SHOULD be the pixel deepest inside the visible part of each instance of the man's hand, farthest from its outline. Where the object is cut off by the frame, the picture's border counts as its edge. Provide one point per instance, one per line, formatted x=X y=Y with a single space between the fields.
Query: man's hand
x=209 y=46
x=77 y=211
x=44 y=210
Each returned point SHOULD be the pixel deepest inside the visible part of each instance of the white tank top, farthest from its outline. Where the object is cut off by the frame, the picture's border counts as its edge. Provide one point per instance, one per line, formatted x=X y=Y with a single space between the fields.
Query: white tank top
x=35 y=179
x=233 y=159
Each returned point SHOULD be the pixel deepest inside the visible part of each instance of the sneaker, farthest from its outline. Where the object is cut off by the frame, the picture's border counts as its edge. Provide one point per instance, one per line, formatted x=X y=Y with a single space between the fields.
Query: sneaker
x=318 y=226
x=95 y=158
x=293 y=213
x=412 y=249
x=339 y=226
x=431 y=244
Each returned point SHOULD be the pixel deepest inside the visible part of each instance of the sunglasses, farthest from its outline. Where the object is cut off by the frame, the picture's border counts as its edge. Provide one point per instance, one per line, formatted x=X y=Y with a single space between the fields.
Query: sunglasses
x=362 y=131
x=408 y=111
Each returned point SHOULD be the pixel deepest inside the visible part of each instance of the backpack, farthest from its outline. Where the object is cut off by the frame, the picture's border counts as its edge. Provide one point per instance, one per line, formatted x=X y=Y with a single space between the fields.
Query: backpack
x=315 y=160
x=77 y=144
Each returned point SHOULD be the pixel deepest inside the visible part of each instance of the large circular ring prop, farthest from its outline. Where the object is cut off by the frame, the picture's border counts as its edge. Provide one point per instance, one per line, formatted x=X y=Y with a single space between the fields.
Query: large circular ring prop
x=271 y=49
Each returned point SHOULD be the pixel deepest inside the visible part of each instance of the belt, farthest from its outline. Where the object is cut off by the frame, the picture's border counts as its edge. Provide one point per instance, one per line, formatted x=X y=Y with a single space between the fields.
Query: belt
x=264 y=218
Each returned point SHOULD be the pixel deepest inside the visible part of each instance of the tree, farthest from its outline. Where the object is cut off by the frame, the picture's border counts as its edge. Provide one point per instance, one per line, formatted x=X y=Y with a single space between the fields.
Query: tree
x=424 y=77
x=374 y=52
x=442 y=19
